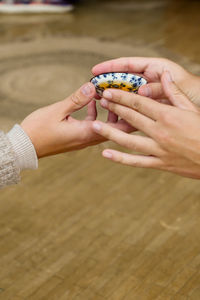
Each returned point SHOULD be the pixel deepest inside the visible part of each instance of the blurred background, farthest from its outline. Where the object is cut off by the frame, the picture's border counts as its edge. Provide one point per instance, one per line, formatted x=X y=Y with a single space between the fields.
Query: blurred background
x=81 y=227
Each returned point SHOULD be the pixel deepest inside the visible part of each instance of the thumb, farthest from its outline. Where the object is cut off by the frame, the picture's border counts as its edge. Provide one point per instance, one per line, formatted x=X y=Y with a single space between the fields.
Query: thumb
x=174 y=94
x=78 y=99
x=152 y=90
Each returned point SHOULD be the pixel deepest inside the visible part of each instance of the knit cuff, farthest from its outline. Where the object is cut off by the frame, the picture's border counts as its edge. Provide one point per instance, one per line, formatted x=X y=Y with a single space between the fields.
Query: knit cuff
x=9 y=170
x=24 y=150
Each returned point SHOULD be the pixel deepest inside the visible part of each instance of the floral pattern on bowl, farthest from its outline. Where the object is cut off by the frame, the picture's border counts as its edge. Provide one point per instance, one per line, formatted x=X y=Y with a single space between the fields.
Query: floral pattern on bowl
x=124 y=81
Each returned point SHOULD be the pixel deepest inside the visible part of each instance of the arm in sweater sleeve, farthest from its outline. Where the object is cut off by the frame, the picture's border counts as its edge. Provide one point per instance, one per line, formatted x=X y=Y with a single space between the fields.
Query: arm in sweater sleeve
x=16 y=154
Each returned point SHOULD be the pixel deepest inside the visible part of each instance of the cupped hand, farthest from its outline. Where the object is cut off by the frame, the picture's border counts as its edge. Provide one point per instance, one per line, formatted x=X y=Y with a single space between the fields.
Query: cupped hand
x=172 y=141
x=152 y=69
x=53 y=130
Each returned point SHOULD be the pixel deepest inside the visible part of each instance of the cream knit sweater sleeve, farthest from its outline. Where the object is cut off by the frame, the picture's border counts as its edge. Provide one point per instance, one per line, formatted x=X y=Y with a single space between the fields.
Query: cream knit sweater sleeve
x=16 y=154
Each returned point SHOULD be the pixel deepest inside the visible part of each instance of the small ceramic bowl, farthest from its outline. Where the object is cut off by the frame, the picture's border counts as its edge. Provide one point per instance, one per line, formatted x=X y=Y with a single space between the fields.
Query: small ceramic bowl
x=124 y=81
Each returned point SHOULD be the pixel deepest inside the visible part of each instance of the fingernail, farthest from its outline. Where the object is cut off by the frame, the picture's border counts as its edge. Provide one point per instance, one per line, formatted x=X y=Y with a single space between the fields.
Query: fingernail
x=96 y=126
x=104 y=102
x=168 y=76
x=107 y=94
x=86 y=89
x=145 y=91
x=107 y=154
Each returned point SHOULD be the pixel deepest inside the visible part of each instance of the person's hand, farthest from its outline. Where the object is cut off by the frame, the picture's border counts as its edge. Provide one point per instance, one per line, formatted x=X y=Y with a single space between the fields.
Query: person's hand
x=151 y=69
x=173 y=132
x=52 y=130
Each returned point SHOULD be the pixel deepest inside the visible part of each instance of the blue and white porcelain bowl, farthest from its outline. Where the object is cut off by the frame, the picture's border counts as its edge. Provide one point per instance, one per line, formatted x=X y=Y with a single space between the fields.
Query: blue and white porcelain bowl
x=124 y=81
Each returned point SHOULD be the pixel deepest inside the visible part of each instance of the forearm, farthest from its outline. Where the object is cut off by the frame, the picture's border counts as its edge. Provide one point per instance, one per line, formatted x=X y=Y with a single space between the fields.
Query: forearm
x=16 y=154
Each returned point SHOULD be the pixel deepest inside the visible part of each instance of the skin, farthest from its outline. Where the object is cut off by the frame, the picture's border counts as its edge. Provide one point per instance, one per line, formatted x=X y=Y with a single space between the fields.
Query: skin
x=151 y=69
x=172 y=141
x=53 y=130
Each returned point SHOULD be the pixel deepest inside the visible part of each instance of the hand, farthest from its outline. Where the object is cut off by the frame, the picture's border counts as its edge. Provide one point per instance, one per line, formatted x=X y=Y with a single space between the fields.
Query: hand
x=173 y=132
x=52 y=130
x=152 y=69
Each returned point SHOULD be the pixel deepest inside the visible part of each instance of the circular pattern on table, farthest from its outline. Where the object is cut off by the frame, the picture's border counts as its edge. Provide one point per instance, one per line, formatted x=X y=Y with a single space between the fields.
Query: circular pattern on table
x=35 y=74
x=32 y=81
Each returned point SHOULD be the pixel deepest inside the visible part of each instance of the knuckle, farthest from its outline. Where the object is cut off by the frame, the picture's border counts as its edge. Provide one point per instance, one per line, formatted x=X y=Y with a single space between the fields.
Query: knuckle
x=120 y=158
x=163 y=153
x=76 y=99
x=163 y=137
x=166 y=117
x=136 y=104
x=136 y=163
x=176 y=91
x=168 y=160
x=108 y=133
x=125 y=63
x=131 y=145
x=112 y=107
x=118 y=96
x=132 y=117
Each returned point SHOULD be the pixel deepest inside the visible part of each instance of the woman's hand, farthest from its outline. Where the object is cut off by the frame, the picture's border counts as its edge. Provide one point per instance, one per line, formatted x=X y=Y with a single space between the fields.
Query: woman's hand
x=152 y=69
x=173 y=132
x=52 y=130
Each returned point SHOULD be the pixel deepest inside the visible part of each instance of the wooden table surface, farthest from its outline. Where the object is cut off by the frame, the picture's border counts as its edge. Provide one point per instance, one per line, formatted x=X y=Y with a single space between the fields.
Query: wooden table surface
x=81 y=227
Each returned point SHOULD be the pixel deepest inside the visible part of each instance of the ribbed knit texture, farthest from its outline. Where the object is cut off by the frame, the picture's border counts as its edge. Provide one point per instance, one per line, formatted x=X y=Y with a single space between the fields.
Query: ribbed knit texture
x=23 y=148
x=9 y=169
x=16 y=154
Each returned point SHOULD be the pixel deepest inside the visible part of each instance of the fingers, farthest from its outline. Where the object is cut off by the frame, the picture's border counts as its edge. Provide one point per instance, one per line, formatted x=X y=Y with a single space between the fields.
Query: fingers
x=143 y=105
x=175 y=95
x=140 y=161
x=134 y=142
x=124 y=64
x=97 y=97
x=133 y=117
x=112 y=118
x=152 y=90
x=123 y=126
x=77 y=100
x=91 y=111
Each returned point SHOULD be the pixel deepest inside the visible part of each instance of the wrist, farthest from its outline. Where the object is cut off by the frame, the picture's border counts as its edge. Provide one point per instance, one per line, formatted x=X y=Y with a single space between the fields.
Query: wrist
x=26 y=156
x=190 y=85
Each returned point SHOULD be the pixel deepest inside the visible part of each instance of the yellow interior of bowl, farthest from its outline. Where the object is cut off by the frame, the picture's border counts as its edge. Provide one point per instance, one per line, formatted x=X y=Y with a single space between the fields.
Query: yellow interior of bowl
x=118 y=85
